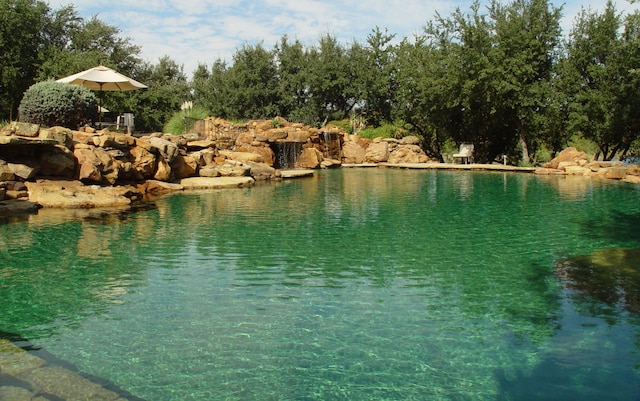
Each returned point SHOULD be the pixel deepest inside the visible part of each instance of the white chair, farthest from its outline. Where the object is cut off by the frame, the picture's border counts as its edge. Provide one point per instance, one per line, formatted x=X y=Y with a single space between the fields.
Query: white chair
x=465 y=153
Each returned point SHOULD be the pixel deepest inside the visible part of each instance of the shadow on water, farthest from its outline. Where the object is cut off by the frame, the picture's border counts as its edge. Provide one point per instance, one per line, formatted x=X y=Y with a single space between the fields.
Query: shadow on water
x=550 y=376
x=616 y=225
x=611 y=276
x=600 y=290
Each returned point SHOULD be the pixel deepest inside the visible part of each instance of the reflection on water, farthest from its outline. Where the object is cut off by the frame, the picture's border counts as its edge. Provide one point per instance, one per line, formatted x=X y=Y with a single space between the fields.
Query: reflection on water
x=608 y=275
x=353 y=284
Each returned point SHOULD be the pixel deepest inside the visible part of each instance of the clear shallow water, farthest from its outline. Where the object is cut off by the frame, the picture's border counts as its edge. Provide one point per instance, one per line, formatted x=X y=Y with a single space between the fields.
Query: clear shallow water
x=355 y=285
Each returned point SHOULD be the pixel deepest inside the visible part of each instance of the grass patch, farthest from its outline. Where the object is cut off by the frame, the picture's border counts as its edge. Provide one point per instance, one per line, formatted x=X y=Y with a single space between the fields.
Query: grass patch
x=179 y=121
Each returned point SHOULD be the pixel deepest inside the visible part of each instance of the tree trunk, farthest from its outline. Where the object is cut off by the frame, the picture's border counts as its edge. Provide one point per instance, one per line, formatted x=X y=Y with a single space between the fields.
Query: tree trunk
x=525 y=149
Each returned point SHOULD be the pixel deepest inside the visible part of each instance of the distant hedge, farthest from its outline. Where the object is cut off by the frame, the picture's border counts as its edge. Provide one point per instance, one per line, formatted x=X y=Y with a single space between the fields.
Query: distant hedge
x=52 y=103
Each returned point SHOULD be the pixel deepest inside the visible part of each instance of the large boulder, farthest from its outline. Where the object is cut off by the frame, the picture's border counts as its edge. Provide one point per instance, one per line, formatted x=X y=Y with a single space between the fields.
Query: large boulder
x=74 y=194
x=408 y=154
x=163 y=170
x=309 y=158
x=216 y=183
x=377 y=152
x=96 y=165
x=144 y=161
x=184 y=166
x=353 y=153
x=61 y=135
x=16 y=128
x=568 y=157
x=6 y=172
x=242 y=156
x=167 y=149
x=58 y=162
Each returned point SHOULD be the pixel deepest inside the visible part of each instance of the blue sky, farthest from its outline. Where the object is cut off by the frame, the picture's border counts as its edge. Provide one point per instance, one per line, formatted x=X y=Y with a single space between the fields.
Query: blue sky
x=201 y=31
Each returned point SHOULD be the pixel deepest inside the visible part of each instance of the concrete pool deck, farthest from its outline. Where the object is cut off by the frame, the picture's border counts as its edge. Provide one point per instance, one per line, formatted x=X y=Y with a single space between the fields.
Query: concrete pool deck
x=447 y=166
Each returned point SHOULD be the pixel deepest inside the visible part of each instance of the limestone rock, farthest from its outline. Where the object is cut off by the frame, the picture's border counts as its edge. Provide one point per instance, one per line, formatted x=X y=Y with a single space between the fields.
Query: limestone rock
x=96 y=165
x=6 y=172
x=200 y=144
x=157 y=187
x=74 y=194
x=261 y=171
x=242 y=156
x=184 y=166
x=310 y=158
x=233 y=169
x=352 y=153
x=614 y=173
x=577 y=170
x=571 y=155
x=62 y=136
x=59 y=162
x=10 y=207
x=216 y=183
x=549 y=171
x=377 y=152
x=408 y=154
x=114 y=140
x=264 y=151
x=410 y=140
x=17 y=128
x=167 y=149
x=163 y=170
x=209 y=171
x=143 y=161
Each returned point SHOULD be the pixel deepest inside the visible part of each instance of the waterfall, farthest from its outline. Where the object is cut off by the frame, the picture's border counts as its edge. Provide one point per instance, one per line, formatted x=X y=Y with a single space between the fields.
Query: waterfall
x=331 y=145
x=287 y=154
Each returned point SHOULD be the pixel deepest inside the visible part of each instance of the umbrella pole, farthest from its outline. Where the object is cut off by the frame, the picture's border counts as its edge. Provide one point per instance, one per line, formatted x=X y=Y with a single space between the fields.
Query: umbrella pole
x=100 y=106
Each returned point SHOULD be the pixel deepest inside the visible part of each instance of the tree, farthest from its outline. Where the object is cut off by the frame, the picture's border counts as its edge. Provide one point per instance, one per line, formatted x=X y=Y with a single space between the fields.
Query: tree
x=527 y=33
x=331 y=80
x=211 y=89
x=79 y=45
x=378 y=77
x=293 y=79
x=602 y=78
x=168 y=90
x=22 y=27
x=253 y=84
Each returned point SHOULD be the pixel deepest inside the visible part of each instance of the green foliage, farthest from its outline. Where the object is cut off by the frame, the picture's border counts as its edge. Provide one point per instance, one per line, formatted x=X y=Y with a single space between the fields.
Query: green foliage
x=153 y=107
x=344 y=124
x=179 y=122
x=583 y=144
x=51 y=103
x=22 y=36
x=276 y=123
x=383 y=131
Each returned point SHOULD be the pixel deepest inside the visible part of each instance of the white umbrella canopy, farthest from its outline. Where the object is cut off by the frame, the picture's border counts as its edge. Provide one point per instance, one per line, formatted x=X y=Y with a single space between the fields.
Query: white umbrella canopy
x=103 y=79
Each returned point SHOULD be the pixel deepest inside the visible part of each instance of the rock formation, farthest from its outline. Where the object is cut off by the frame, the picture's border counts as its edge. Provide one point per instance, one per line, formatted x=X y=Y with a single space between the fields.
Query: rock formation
x=59 y=167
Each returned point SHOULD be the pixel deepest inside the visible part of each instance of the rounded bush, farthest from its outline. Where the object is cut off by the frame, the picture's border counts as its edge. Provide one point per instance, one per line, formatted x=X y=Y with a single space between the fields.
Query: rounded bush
x=51 y=103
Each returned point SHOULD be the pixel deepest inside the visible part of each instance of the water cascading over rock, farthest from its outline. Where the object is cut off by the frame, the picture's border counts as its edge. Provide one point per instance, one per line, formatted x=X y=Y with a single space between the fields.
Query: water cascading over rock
x=287 y=154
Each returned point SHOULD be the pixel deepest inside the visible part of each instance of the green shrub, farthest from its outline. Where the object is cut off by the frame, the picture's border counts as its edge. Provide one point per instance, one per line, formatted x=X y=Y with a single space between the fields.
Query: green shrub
x=276 y=123
x=181 y=121
x=51 y=103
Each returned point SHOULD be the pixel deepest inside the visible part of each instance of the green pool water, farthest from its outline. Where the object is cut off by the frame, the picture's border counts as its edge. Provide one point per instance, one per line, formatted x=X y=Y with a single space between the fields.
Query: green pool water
x=356 y=284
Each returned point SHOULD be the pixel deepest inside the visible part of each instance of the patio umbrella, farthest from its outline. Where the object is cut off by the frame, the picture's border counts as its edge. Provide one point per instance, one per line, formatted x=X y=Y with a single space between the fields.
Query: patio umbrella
x=102 y=79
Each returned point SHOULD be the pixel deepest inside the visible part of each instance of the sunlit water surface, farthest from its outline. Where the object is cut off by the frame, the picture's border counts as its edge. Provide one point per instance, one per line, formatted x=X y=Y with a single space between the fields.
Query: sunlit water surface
x=352 y=285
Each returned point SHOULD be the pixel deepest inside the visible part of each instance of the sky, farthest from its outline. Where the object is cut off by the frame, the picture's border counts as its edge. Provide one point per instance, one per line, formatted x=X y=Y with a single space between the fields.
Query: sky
x=193 y=32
